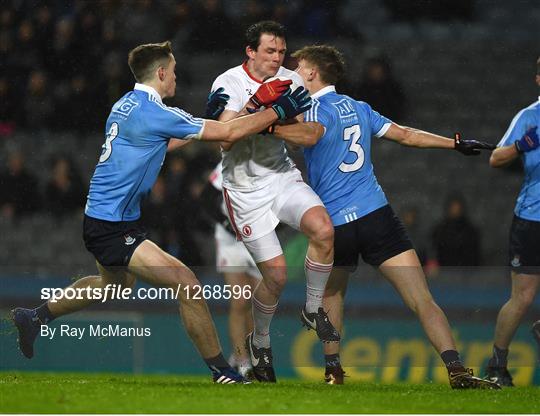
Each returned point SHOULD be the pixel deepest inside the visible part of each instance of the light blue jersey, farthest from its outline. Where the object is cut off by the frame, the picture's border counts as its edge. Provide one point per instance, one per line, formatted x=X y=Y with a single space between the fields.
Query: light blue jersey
x=339 y=165
x=528 y=202
x=137 y=133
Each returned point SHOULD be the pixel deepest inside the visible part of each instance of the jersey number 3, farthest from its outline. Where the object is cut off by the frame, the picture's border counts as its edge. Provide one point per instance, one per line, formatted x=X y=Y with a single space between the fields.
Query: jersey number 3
x=106 y=149
x=353 y=134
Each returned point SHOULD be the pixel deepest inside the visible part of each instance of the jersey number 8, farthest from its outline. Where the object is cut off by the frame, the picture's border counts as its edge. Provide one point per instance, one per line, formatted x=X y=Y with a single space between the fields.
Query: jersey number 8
x=106 y=149
x=353 y=134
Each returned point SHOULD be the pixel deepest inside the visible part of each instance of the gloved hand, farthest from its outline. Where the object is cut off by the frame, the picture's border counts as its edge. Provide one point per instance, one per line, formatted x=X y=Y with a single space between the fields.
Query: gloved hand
x=470 y=147
x=528 y=142
x=269 y=92
x=290 y=104
x=215 y=104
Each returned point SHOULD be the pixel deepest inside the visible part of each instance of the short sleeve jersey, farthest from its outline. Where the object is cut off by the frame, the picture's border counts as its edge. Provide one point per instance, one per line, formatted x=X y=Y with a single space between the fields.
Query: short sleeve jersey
x=528 y=202
x=339 y=166
x=137 y=132
x=250 y=163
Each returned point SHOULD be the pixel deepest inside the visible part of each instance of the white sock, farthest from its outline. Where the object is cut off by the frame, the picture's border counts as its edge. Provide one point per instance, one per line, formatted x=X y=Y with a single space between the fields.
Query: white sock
x=262 y=316
x=317 y=275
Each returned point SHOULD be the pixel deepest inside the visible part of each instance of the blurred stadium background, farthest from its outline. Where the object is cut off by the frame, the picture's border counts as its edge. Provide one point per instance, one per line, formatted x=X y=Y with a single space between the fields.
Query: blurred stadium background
x=442 y=66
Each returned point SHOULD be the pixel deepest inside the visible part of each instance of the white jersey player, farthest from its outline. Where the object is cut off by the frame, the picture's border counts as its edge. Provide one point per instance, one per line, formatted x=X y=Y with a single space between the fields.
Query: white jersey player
x=231 y=254
x=262 y=187
x=239 y=271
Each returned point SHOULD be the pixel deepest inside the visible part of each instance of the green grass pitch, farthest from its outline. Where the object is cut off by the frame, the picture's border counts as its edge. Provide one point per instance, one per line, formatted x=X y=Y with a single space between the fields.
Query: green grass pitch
x=112 y=393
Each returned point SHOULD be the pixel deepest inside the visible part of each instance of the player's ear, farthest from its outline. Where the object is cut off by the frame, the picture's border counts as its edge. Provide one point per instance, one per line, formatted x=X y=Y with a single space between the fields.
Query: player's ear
x=312 y=73
x=161 y=73
x=250 y=52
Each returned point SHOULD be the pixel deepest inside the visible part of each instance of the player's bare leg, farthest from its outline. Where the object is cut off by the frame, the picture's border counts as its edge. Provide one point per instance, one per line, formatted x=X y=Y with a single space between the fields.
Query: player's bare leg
x=333 y=303
x=29 y=321
x=119 y=277
x=406 y=275
x=264 y=304
x=152 y=265
x=318 y=228
x=240 y=320
x=524 y=289
x=266 y=296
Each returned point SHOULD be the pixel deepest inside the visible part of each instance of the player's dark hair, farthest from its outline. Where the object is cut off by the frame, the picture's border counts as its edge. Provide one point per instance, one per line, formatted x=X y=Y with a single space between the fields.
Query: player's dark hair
x=145 y=59
x=538 y=66
x=328 y=60
x=254 y=32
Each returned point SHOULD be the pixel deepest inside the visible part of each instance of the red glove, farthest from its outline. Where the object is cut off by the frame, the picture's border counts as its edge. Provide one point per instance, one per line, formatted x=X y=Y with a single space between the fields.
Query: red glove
x=269 y=92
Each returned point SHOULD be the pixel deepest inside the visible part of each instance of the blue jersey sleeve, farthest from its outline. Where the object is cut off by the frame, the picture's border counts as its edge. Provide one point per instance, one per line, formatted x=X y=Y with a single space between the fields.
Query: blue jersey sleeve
x=318 y=114
x=379 y=124
x=523 y=120
x=170 y=122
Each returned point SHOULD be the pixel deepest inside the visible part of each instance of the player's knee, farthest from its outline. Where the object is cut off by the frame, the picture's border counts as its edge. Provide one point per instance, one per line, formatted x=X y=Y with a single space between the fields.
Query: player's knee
x=525 y=298
x=323 y=231
x=326 y=233
x=185 y=279
x=275 y=282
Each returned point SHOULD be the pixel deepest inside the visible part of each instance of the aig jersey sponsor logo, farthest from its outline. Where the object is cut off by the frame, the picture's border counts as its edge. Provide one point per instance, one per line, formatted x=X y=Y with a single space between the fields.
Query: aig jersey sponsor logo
x=125 y=107
x=345 y=108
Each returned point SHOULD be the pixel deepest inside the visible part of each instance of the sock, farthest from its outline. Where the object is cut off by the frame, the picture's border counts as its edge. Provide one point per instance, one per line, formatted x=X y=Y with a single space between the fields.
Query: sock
x=451 y=360
x=332 y=360
x=262 y=316
x=44 y=314
x=317 y=275
x=217 y=363
x=499 y=358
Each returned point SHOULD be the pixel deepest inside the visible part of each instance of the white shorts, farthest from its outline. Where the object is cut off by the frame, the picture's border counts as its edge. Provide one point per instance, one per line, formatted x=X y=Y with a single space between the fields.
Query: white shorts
x=232 y=256
x=257 y=213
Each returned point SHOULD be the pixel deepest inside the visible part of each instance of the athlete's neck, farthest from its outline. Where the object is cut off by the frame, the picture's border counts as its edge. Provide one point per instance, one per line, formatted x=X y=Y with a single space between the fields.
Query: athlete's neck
x=155 y=84
x=249 y=67
x=315 y=86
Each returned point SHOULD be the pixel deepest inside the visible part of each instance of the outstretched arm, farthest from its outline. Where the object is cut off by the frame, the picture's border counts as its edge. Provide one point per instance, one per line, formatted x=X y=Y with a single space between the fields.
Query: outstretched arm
x=409 y=136
x=238 y=128
x=287 y=106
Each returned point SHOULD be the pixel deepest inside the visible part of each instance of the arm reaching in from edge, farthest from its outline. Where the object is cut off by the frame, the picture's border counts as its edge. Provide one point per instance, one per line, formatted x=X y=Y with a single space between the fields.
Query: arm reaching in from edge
x=408 y=136
x=287 y=106
x=502 y=156
x=298 y=133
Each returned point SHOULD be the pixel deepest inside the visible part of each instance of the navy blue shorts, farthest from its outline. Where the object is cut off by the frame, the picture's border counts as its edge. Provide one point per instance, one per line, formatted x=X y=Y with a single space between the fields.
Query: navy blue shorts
x=112 y=243
x=524 y=252
x=377 y=237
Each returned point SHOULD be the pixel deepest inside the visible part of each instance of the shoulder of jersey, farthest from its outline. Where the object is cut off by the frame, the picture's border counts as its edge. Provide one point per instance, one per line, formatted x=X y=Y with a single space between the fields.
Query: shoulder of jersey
x=533 y=107
x=233 y=72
